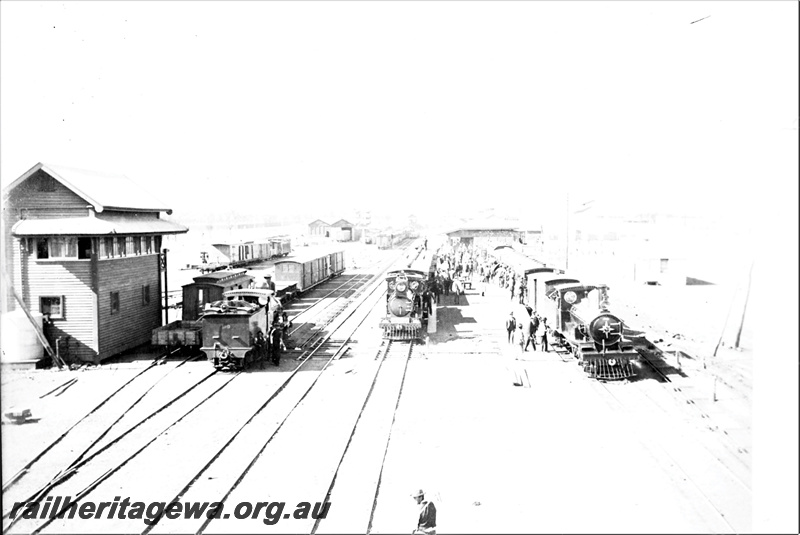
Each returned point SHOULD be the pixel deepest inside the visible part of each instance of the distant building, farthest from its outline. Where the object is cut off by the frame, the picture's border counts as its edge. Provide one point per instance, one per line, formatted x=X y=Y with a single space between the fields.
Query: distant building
x=610 y=243
x=317 y=228
x=486 y=234
x=83 y=248
x=342 y=230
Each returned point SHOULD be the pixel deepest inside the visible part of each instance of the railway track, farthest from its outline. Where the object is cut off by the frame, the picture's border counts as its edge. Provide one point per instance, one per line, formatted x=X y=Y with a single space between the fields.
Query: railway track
x=84 y=474
x=82 y=431
x=230 y=465
x=735 y=454
x=332 y=309
x=694 y=468
x=78 y=479
x=367 y=446
x=351 y=284
x=120 y=461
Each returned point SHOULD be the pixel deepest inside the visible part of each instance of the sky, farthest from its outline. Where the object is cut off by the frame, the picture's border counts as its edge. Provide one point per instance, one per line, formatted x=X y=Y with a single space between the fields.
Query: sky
x=419 y=107
x=431 y=108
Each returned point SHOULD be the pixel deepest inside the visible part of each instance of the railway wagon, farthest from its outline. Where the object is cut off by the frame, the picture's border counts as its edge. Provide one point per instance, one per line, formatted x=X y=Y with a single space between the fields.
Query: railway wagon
x=280 y=246
x=533 y=271
x=210 y=287
x=235 y=254
x=409 y=299
x=309 y=268
x=242 y=253
x=242 y=328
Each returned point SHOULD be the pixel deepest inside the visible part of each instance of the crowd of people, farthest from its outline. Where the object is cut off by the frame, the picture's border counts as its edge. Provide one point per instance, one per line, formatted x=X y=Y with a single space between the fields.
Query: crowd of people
x=459 y=262
x=526 y=331
x=454 y=266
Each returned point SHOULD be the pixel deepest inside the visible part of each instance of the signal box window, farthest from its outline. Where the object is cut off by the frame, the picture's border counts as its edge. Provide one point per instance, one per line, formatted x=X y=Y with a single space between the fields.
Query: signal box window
x=84 y=248
x=146 y=294
x=42 y=249
x=52 y=305
x=108 y=248
x=56 y=247
x=114 y=302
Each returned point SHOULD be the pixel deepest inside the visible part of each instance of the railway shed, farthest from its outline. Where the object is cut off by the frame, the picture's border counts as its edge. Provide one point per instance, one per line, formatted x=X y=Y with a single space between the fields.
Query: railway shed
x=83 y=249
x=342 y=230
x=317 y=227
x=485 y=235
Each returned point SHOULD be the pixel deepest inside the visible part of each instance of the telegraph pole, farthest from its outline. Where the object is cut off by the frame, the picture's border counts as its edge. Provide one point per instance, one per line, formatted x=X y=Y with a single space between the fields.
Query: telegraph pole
x=166 y=290
x=744 y=308
x=566 y=267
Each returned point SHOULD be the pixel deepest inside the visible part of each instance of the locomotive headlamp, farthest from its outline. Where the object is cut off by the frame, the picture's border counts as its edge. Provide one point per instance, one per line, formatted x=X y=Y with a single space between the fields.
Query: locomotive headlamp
x=401 y=287
x=570 y=297
x=414 y=285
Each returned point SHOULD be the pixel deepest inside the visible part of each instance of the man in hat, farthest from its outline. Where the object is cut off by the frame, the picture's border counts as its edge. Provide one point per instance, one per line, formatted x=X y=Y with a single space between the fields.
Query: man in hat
x=511 y=325
x=426 y=525
x=269 y=285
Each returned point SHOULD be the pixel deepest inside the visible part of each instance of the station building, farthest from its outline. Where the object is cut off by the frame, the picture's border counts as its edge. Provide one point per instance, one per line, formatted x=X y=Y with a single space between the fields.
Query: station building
x=82 y=249
x=485 y=235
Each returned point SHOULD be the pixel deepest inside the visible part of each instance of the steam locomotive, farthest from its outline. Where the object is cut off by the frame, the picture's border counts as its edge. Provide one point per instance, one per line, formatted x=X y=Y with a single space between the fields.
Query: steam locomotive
x=409 y=301
x=243 y=328
x=234 y=324
x=583 y=324
x=577 y=314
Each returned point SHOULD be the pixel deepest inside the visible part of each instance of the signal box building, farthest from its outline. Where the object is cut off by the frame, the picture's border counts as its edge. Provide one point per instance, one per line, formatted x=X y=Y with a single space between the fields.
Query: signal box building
x=83 y=248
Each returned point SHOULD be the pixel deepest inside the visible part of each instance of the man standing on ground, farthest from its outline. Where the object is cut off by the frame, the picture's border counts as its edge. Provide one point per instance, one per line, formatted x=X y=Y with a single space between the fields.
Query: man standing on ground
x=426 y=525
x=458 y=289
x=544 y=335
x=511 y=325
x=533 y=325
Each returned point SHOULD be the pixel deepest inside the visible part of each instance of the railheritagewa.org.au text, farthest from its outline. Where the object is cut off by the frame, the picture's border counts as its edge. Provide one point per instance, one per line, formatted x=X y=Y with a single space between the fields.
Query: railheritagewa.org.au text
x=152 y=512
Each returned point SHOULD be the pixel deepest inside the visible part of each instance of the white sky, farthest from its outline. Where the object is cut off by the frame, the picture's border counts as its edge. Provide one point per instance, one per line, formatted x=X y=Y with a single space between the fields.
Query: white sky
x=451 y=105
x=422 y=106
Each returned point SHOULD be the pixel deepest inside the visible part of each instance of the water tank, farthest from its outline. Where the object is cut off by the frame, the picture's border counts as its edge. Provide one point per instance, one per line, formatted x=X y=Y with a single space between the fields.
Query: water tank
x=19 y=341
